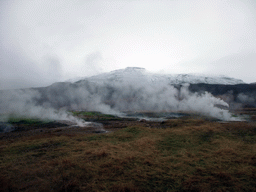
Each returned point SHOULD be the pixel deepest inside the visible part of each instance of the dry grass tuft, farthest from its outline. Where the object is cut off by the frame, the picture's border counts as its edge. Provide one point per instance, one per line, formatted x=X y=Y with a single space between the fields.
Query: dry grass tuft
x=187 y=155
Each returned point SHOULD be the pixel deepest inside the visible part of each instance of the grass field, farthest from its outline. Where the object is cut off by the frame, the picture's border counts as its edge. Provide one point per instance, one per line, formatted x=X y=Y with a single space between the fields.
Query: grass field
x=186 y=155
x=94 y=115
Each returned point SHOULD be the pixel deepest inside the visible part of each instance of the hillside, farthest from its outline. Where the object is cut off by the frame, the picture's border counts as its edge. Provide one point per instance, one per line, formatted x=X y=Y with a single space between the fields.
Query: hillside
x=137 y=73
x=132 y=89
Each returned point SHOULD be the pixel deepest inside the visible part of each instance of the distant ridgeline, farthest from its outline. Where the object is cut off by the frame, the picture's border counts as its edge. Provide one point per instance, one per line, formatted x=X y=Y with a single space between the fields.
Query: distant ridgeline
x=132 y=89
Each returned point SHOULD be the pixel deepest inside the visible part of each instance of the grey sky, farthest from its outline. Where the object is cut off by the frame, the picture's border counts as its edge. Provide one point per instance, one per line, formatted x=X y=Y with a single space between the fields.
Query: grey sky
x=46 y=41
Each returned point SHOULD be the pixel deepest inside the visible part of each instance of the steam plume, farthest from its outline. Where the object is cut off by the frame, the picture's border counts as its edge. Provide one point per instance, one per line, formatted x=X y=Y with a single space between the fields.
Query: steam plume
x=130 y=92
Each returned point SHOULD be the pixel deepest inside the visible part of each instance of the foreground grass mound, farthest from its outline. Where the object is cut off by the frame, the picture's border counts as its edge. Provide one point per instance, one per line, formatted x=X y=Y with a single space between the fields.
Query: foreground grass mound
x=187 y=155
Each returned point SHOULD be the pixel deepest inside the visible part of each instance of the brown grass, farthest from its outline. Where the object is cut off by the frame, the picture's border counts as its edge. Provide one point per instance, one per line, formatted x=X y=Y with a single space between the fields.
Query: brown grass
x=187 y=155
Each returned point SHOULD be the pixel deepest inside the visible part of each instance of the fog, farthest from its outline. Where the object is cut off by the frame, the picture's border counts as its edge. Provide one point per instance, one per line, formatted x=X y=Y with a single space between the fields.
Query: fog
x=131 y=94
x=22 y=103
x=42 y=42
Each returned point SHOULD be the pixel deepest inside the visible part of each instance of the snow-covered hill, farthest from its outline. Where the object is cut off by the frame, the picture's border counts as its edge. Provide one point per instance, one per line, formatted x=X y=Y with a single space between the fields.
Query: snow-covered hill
x=132 y=73
x=132 y=89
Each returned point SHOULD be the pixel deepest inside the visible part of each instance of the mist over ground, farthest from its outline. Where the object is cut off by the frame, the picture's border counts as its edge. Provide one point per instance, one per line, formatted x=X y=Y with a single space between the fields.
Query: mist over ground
x=132 y=92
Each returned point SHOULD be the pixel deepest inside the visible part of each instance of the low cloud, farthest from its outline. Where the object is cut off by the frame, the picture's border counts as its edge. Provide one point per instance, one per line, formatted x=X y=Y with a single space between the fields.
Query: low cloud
x=18 y=71
x=93 y=64
x=111 y=97
x=233 y=65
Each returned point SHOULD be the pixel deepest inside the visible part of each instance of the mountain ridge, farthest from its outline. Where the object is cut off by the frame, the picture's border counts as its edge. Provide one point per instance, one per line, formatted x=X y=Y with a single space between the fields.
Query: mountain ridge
x=141 y=73
x=131 y=89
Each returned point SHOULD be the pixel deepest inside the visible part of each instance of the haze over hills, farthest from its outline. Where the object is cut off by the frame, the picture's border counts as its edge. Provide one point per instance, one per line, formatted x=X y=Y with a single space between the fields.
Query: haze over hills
x=132 y=89
x=141 y=73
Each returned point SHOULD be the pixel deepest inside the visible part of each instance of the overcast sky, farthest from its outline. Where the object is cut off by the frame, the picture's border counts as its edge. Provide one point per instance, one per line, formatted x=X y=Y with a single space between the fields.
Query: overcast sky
x=42 y=42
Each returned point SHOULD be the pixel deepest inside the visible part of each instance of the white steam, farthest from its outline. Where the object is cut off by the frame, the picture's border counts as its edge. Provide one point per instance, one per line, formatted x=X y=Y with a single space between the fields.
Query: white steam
x=204 y=104
x=129 y=93
x=246 y=98
x=22 y=103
